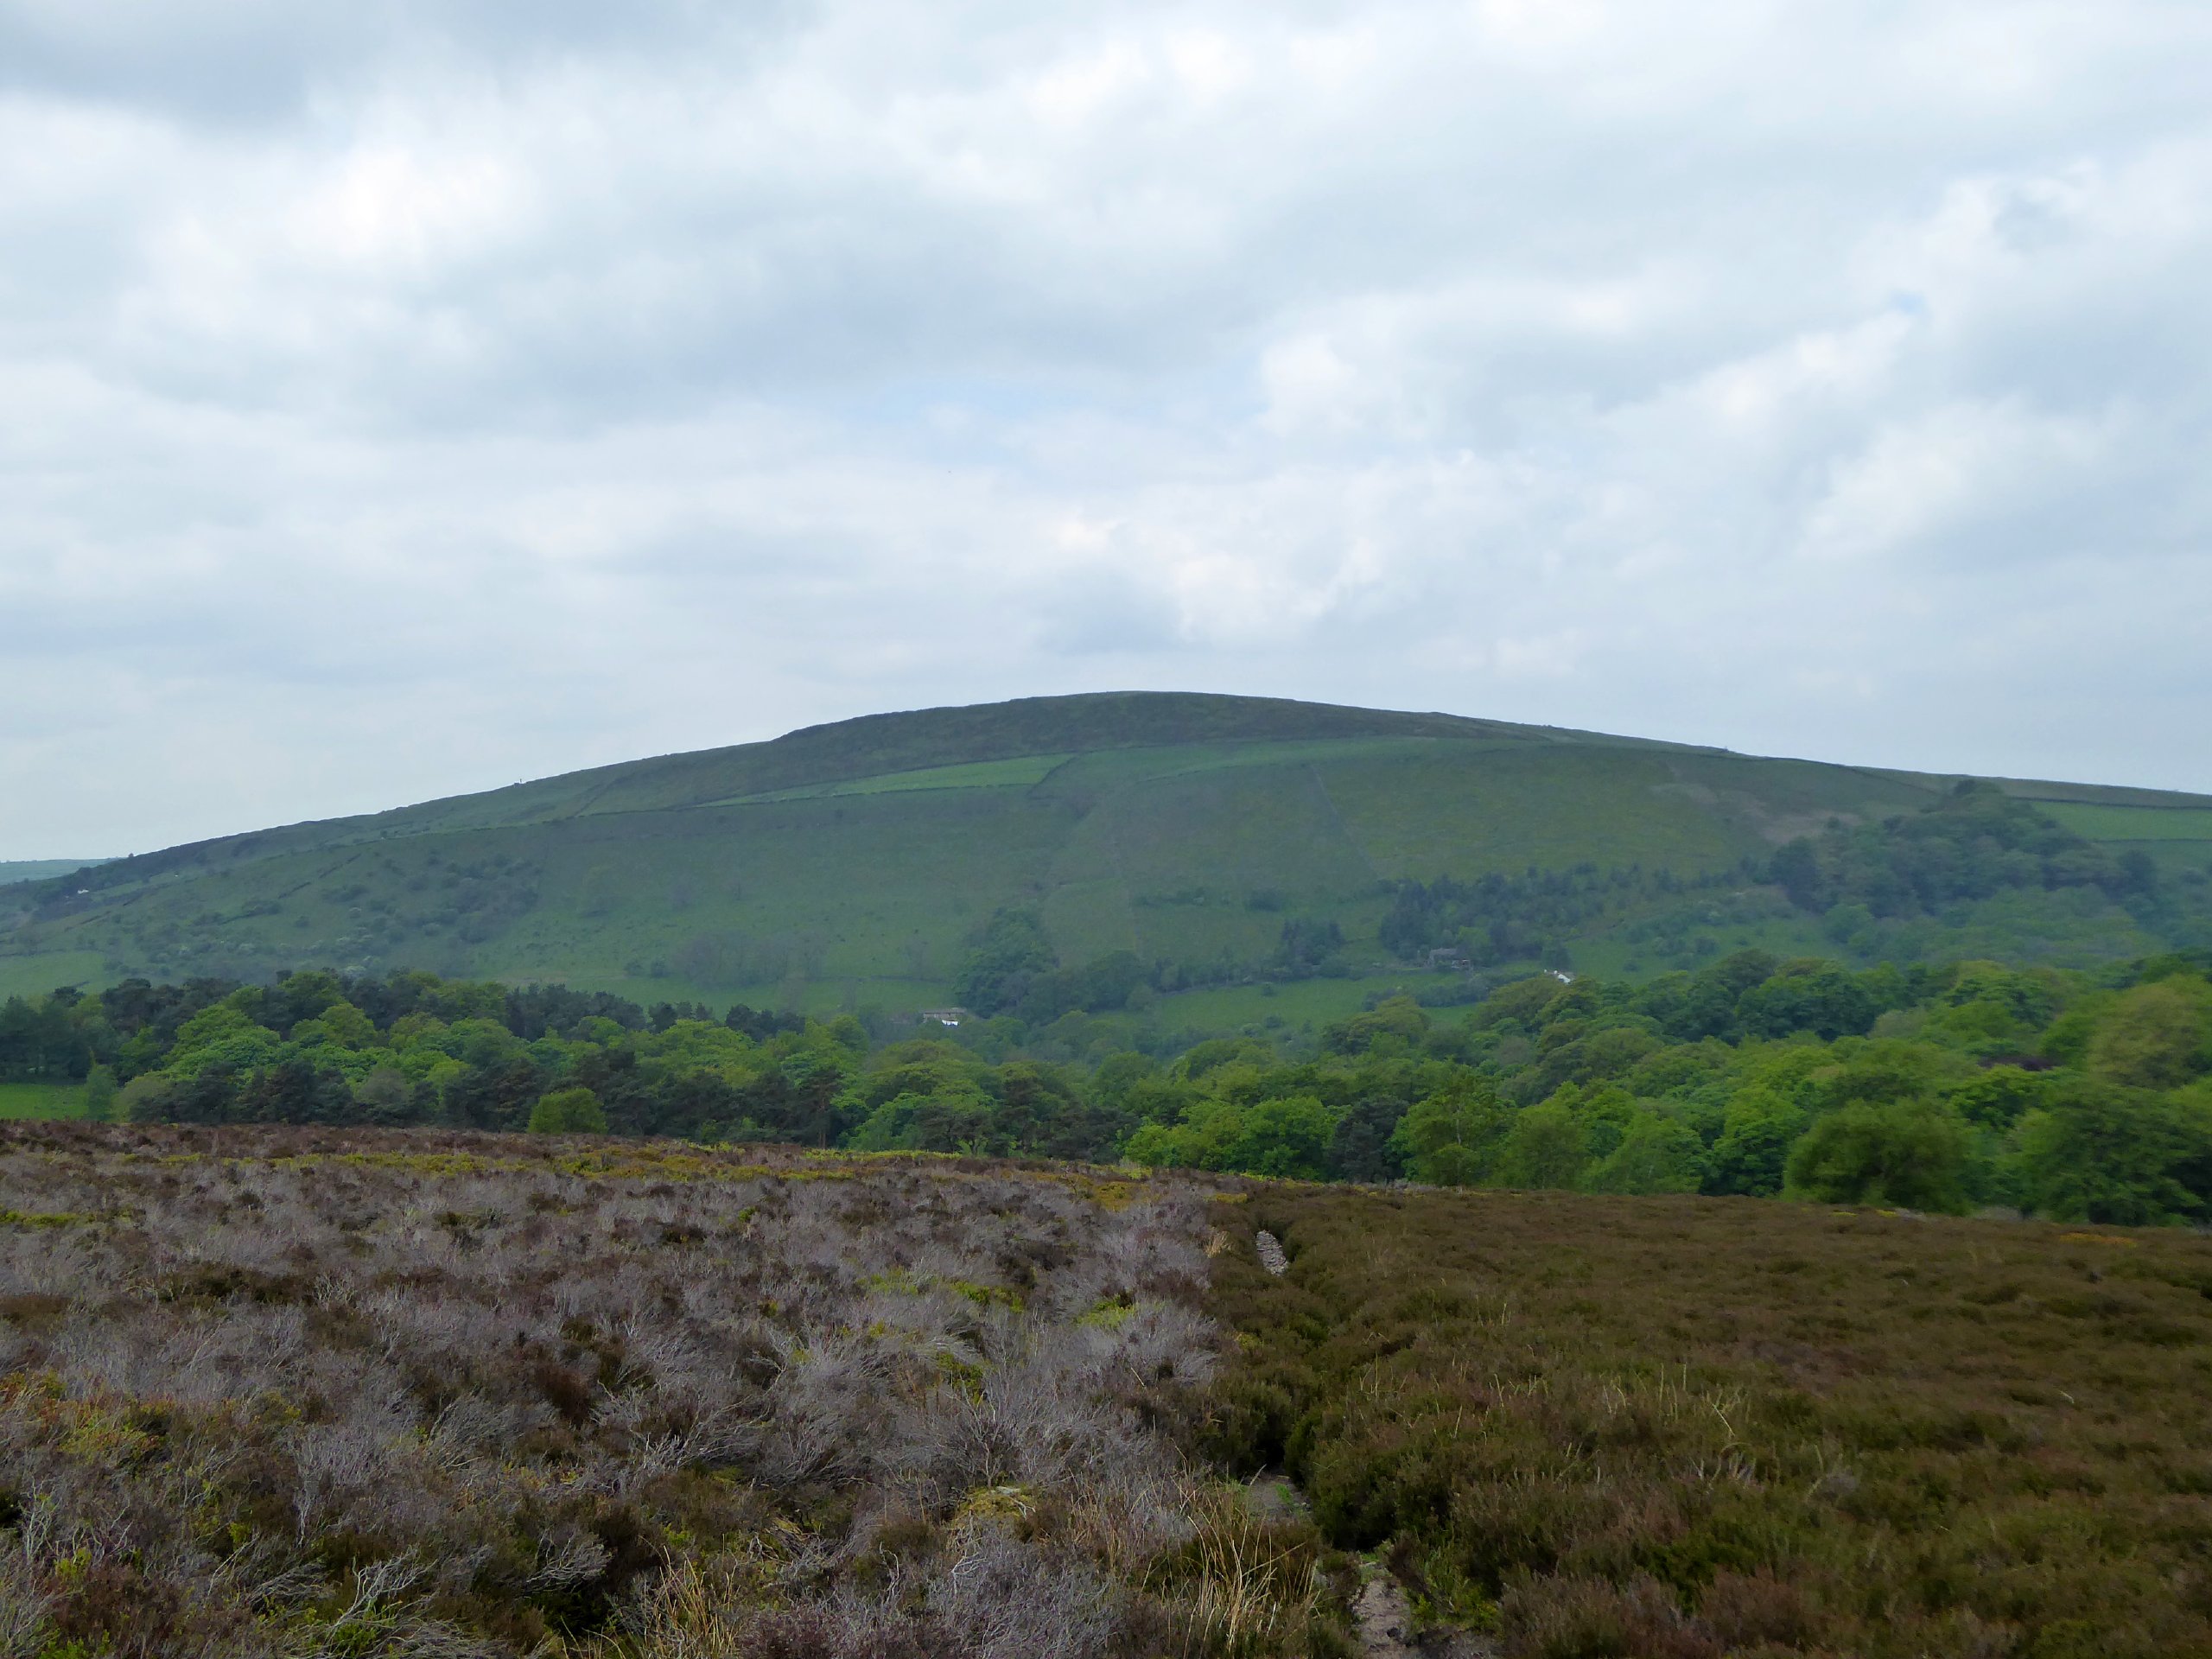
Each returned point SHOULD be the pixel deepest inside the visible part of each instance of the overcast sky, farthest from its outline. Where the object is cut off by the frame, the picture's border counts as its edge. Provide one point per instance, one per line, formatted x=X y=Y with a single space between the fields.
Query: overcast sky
x=403 y=400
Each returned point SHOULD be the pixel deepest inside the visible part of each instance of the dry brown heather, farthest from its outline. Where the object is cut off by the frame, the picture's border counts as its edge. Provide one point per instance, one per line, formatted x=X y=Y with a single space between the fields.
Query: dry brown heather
x=287 y=1391
x=1694 y=1427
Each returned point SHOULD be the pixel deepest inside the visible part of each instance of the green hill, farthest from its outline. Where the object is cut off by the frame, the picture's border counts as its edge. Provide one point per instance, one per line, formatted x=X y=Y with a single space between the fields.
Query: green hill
x=37 y=870
x=1223 y=842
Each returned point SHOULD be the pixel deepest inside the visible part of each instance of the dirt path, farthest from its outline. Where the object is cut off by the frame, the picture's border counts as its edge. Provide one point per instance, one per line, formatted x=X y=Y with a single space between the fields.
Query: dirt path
x=1385 y=1619
x=1381 y=1612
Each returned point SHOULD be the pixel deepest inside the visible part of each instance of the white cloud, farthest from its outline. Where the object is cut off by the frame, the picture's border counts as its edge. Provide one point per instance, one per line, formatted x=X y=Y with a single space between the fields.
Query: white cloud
x=398 y=400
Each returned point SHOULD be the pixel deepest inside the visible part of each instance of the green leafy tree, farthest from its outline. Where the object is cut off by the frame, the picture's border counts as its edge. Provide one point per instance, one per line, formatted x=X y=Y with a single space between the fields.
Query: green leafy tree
x=223 y=1036
x=1547 y=1147
x=1396 y=1025
x=1450 y=1138
x=1753 y=1152
x=2158 y=1036
x=1907 y=1153
x=1199 y=1139
x=922 y=1122
x=1286 y=1139
x=385 y=1096
x=1816 y=996
x=1606 y=1114
x=1999 y=1097
x=1361 y=1149
x=1657 y=1154
x=339 y=1025
x=1007 y=955
x=1876 y=1073
x=100 y=1095
x=1992 y=1010
x=2103 y=1152
x=568 y=1111
x=149 y=1098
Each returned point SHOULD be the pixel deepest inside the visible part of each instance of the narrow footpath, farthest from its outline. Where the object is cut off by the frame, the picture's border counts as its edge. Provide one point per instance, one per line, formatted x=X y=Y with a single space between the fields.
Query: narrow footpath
x=1381 y=1612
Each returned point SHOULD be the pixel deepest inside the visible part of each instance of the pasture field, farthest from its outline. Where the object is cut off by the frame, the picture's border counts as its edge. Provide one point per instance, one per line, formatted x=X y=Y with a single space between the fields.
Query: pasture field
x=34 y=976
x=2134 y=822
x=1022 y=772
x=1696 y=1426
x=23 y=1100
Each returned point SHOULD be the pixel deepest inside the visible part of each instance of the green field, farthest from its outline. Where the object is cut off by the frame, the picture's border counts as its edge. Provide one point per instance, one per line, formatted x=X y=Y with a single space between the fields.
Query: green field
x=34 y=976
x=2134 y=822
x=23 y=1101
x=1019 y=773
x=847 y=866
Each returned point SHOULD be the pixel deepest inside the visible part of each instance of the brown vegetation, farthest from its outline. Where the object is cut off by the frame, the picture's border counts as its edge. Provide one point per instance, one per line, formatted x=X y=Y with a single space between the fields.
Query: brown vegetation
x=1691 y=1428
x=275 y=1391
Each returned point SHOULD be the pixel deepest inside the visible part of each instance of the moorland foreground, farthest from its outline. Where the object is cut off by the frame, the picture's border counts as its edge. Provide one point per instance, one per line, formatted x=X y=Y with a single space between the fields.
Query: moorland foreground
x=270 y=1390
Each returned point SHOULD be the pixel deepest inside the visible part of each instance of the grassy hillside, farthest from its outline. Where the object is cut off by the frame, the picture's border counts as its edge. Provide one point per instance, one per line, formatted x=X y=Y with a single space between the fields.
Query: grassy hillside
x=37 y=870
x=850 y=865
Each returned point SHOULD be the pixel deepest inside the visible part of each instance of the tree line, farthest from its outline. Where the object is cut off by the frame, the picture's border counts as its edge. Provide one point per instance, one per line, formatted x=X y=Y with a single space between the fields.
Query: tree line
x=1945 y=1088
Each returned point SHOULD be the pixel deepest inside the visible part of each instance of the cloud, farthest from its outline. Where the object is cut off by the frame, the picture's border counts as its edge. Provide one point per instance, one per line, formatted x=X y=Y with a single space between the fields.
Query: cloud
x=399 y=400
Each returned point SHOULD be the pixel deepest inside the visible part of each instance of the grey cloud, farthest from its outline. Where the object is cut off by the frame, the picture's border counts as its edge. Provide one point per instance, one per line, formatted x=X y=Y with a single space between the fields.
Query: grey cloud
x=398 y=400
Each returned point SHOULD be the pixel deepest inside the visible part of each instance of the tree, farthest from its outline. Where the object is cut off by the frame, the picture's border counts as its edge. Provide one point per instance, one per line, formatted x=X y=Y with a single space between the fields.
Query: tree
x=1757 y=1131
x=149 y=1098
x=1099 y=986
x=1306 y=946
x=1287 y=1140
x=1006 y=954
x=100 y=1093
x=568 y=1111
x=2158 y=1036
x=2000 y=1096
x=2101 y=1153
x=1361 y=1149
x=1657 y=1154
x=1396 y=1025
x=1878 y=1073
x=1449 y=1138
x=1546 y=1148
x=386 y=1096
x=339 y=1025
x=1816 y=996
x=1906 y=1153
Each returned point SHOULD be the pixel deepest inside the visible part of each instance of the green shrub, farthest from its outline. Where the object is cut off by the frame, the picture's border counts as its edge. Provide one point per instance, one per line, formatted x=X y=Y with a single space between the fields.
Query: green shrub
x=1905 y=1154
x=568 y=1111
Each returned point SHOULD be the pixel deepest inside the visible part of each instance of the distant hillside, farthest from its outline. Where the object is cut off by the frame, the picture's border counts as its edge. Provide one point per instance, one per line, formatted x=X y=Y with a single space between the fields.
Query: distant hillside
x=38 y=870
x=1228 y=845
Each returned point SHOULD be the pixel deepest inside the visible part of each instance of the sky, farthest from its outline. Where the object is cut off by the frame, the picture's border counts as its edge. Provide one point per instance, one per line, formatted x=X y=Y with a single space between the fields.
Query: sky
x=405 y=399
